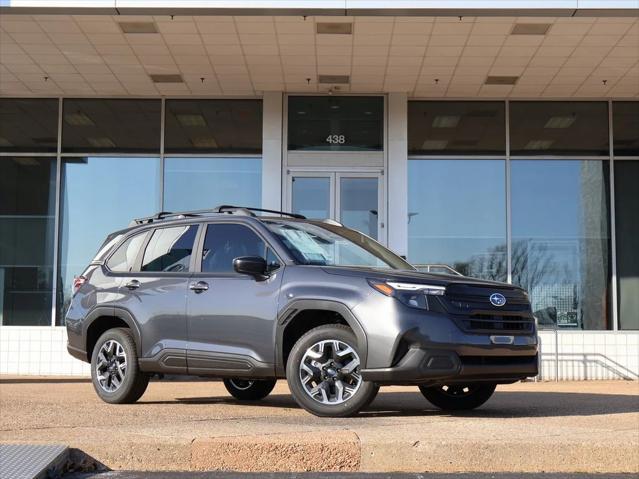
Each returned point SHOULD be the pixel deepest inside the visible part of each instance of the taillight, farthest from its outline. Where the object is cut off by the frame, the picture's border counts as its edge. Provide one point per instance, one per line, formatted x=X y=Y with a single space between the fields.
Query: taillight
x=78 y=281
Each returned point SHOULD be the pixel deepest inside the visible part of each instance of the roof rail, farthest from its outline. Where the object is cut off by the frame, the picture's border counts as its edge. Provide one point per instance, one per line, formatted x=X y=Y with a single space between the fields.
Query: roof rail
x=228 y=209
x=231 y=209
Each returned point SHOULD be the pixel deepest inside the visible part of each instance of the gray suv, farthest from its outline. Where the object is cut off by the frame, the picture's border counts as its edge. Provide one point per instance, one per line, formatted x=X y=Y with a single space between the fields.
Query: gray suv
x=228 y=294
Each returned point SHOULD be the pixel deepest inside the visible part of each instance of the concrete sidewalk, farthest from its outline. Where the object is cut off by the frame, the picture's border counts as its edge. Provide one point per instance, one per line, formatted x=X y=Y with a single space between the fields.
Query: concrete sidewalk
x=197 y=426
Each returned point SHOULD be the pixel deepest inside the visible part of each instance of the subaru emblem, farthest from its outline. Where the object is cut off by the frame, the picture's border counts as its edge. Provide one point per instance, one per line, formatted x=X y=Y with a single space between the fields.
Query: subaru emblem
x=497 y=299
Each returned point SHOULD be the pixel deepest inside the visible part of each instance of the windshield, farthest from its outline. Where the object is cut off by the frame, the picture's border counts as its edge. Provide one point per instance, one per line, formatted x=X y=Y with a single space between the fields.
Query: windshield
x=324 y=244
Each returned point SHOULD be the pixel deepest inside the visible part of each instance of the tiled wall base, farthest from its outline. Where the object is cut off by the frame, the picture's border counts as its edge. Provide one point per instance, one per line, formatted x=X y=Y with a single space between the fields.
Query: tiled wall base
x=34 y=350
x=582 y=355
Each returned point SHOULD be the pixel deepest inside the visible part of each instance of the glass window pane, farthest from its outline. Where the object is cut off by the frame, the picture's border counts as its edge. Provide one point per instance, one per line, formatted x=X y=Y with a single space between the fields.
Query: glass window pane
x=169 y=249
x=225 y=242
x=625 y=128
x=559 y=128
x=110 y=126
x=627 y=235
x=560 y=240
x=100 y=195
x=28 y=125
x=213 y=126
x=457 y=216
x=27 y=209
x=312 y=197
x=200 y=183
x=123 y=259
x=358 y=204
x=456 y=128
x=335 y=123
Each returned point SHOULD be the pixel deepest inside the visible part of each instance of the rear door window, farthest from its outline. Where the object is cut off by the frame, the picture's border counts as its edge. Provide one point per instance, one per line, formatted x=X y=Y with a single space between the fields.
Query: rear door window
x=170 y=249
x=123 y=260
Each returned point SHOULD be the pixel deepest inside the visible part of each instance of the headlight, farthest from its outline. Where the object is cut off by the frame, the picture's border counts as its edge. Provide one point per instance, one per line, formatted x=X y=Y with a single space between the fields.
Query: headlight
x=411 y=294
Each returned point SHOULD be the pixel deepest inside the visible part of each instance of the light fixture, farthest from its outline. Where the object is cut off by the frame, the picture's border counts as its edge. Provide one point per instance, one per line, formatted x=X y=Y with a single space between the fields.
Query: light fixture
x=501 y=80
x=101 y=142
x=434 y=144
x=334 y=28
x=138 y=27
x=560 y=122
x=334 y=79
x=78 y=119
x=530 y=29
x=166 y=78
x=538 y=144
x=204 y=142
x=446 y=121
x=190 y=120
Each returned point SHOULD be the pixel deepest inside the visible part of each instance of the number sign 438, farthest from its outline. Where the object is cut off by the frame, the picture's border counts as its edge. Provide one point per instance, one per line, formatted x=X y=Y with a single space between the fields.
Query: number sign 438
x=336 y=139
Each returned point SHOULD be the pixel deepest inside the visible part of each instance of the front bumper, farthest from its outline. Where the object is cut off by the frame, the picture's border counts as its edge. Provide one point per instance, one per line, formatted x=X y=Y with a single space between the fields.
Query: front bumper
x=438 y=366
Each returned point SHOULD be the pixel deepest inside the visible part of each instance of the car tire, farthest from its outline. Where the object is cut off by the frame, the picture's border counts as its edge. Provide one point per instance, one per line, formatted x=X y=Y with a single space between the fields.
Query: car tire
x=458 y=397
x=114 y=383
x=319 y=361
x=249 y=390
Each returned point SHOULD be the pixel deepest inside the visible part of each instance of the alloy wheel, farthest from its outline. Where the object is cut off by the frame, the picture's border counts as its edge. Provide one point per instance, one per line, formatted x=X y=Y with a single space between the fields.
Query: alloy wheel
x=329 y=372
x=111 y=366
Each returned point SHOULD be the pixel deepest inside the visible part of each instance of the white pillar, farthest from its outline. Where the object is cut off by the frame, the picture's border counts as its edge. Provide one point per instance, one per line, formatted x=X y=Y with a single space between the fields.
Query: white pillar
x=272 y=150
x=398 y=173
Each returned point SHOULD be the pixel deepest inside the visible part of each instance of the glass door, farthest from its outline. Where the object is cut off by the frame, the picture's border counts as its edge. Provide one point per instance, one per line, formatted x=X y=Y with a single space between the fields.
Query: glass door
x=353 y=199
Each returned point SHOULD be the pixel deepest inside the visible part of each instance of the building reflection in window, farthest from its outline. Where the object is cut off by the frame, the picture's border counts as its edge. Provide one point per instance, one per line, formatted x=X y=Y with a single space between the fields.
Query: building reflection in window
x=561 y=241
x=457 y=216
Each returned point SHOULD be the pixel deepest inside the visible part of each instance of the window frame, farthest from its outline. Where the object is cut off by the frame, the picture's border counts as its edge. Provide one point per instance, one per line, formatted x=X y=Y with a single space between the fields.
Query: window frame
x=201 y=237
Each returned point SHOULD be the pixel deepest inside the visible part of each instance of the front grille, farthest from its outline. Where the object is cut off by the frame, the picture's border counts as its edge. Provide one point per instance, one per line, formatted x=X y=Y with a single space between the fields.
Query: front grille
x=470 y=306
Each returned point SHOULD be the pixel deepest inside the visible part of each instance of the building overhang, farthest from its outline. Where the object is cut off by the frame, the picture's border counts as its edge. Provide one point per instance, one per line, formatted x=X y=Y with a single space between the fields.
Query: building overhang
x=564 y=8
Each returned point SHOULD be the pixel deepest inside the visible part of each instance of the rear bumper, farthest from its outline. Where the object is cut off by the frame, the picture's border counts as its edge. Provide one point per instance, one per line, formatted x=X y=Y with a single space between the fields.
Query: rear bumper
x=420 y=366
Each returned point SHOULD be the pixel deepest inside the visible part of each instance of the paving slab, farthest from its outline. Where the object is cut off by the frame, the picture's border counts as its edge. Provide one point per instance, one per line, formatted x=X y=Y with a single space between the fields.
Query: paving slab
x=196 y=426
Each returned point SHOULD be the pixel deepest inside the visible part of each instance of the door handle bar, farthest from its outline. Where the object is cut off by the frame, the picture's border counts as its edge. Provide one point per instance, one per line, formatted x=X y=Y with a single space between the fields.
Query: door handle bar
x=199 y=286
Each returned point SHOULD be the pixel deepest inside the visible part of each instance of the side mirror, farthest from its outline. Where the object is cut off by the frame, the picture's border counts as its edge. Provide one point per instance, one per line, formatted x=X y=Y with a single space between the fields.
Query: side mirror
x=252 y=265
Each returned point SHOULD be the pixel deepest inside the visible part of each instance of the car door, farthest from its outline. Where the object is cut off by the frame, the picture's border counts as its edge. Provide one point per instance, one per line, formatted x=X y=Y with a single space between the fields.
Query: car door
x=231 y=316
x=155 y=295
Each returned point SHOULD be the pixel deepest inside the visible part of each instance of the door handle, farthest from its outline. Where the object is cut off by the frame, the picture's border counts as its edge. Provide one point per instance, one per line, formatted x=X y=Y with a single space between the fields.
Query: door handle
x=133 y=284
x=199 y=286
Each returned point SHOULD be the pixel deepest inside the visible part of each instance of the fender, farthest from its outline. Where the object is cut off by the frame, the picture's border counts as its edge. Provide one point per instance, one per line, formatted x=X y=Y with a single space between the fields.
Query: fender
x=114 y=312
x=292 y=309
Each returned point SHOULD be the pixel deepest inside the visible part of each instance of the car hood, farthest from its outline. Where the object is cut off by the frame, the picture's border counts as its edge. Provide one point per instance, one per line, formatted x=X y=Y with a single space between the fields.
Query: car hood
x=411 y=276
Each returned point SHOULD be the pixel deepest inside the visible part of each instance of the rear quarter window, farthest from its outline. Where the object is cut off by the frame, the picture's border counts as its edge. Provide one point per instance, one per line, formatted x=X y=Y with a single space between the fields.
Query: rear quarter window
x=123 y=259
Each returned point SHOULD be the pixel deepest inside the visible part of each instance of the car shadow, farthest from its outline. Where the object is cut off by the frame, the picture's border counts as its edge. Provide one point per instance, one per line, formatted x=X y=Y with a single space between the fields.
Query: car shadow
x=504 y=404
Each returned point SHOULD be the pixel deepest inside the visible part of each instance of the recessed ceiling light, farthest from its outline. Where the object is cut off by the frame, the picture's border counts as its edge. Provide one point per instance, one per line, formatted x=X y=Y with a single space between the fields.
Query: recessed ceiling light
x=166 y=78
x=538 y=144
x=434 y=144
x=190 y=120
x=530 y=29
x=204 y=142
x=101 y=142
x=301 y=113
x=560 y=121
x=334 y=107
x=334 y=28
x=334 y=79
x=446 y=121
x=138 y=27
x=78 y=119
x=501 y=80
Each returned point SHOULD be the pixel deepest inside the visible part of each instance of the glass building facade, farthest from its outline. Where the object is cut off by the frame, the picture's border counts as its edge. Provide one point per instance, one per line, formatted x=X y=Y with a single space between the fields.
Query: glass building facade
x=542 y=194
